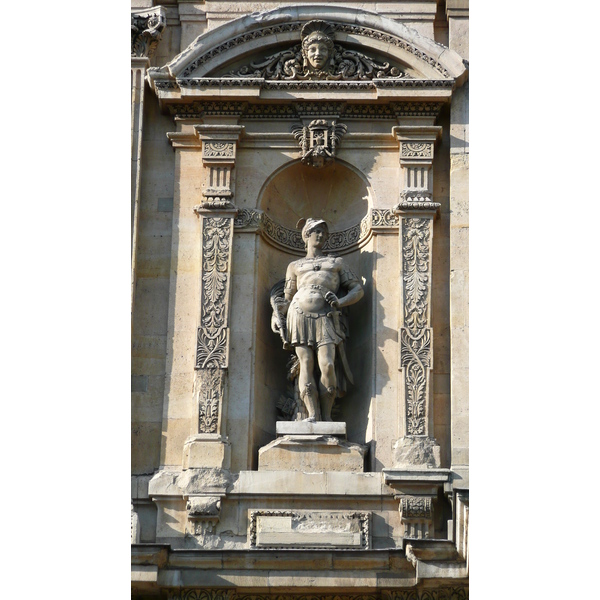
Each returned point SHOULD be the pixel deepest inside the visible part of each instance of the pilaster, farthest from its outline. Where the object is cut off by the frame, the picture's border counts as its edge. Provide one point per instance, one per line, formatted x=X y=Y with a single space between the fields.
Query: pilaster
x=417 y=447
x=209 y=446
x=147 y=26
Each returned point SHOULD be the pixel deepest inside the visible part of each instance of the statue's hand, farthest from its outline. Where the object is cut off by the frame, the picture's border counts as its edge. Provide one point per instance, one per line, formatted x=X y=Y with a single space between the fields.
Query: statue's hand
x=332 y=300
x=274 y=324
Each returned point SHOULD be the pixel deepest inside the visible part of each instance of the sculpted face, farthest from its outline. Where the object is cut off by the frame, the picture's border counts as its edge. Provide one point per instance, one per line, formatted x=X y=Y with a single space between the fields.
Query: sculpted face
x=317 y=54
x=318 y=236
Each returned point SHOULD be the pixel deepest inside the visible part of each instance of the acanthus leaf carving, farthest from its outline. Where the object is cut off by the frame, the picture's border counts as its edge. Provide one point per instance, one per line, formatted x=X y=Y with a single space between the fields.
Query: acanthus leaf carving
x=317 y=57
x=146 y=30
x=415 y=336
x=212 y=333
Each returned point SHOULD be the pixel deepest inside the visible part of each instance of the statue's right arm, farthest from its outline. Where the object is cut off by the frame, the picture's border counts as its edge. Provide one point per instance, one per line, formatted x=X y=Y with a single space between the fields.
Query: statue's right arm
x=290 y=287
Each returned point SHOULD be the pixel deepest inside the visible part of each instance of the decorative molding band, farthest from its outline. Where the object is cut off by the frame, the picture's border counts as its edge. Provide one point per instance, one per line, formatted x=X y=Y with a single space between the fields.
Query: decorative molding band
x=300 y=110
x=384 y=218
x=442 y=593
x=339 y=241
x=447 y=593
x=147 y=26
x=319 y=85
x=417 y=203
x=293 y=27
x=212 y=350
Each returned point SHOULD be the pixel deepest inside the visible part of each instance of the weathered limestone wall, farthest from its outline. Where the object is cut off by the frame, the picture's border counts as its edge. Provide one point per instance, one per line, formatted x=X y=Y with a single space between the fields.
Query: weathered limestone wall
x=268 y=179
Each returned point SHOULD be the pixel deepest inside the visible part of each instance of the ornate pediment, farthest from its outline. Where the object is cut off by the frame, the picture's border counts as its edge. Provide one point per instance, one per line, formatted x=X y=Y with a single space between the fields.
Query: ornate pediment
x=288 y=53
x=318 y=57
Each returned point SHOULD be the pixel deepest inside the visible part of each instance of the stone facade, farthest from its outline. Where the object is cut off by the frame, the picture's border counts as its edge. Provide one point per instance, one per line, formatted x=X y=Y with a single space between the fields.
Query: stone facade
x=239 y=132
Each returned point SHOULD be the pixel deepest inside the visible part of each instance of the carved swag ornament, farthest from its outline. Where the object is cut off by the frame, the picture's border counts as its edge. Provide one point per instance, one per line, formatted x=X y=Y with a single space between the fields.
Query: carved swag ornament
x=318 y=57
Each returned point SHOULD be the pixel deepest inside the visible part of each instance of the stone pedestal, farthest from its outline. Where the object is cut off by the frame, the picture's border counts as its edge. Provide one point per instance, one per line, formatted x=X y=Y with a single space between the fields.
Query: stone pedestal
x=311 y=447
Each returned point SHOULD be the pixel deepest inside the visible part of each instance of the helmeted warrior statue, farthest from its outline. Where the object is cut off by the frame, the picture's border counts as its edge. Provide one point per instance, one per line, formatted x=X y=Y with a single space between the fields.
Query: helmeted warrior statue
x=315 y=326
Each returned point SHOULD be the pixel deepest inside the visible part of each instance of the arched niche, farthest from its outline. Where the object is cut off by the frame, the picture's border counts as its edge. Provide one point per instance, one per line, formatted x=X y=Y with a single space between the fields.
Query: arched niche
x=341 y=195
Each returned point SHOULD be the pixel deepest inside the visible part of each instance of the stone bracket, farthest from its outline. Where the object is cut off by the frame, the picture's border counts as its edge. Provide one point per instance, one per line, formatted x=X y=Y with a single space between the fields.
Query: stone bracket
x=203 y=513
x=416 y=514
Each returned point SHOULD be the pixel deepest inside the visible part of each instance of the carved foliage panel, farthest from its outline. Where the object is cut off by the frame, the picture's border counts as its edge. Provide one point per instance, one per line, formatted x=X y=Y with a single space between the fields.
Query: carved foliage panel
x=212 y=350
x=416 y=335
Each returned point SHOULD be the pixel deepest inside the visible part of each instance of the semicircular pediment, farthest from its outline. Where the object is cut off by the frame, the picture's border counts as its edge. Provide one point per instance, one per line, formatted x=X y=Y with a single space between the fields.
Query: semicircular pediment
x=274 y=46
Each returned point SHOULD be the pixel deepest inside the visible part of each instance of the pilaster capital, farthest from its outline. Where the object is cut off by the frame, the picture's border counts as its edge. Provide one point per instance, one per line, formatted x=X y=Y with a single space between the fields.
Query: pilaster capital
x=147 y=25
x=457 y=8
x=220 y=132
x=417 y=133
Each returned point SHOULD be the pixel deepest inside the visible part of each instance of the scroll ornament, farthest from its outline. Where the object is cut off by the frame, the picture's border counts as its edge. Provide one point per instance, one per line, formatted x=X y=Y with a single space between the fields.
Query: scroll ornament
x=318 y=57
x=146 y=31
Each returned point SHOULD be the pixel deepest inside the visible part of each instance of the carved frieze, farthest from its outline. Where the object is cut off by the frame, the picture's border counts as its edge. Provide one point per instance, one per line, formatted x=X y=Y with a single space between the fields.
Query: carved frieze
x=211 y=150
x=318 y=141
x=212 y=333
x=443 y=593
x=416 y=150
x=449 y=593
x=196 y=110
x=146 y=29
x=384 y=217
x=318 y=57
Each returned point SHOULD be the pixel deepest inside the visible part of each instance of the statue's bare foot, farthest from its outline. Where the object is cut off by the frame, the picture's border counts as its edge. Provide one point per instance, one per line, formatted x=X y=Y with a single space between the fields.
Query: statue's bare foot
x=310 y=420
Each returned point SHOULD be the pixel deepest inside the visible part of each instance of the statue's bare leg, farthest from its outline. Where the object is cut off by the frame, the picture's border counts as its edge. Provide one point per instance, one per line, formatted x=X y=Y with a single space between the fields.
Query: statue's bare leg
x=328 y=383
x=306 y=382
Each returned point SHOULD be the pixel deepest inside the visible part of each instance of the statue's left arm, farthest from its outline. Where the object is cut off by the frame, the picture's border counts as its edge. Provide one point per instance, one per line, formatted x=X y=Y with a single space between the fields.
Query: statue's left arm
x=350 y=283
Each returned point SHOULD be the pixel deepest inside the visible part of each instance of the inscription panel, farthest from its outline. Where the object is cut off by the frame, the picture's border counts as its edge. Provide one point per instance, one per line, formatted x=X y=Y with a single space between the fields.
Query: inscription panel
x=309 y=529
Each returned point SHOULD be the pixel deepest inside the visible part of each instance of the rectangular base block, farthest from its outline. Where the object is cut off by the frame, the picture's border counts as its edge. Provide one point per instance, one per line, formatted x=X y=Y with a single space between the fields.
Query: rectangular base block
x=199 y=454
x=311 y=453
x=334 y=428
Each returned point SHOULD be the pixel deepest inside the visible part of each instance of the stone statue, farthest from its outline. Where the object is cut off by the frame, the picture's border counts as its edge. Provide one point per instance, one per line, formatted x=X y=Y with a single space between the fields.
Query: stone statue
x=315 y=326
